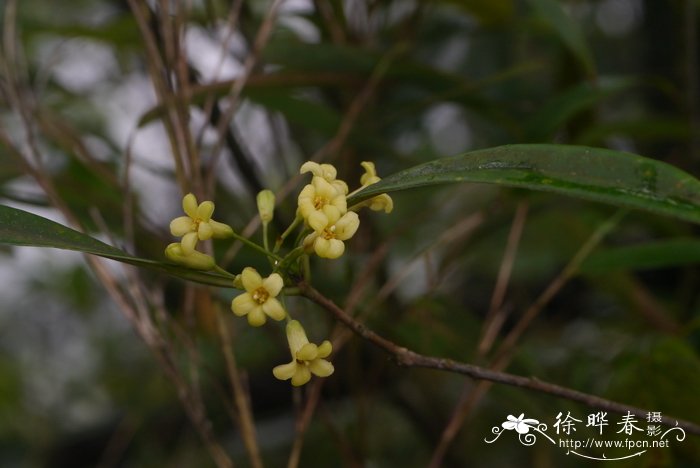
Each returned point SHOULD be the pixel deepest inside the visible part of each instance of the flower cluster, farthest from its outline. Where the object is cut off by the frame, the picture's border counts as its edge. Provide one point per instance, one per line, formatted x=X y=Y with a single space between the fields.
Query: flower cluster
x=323 y=205
x=327 y=223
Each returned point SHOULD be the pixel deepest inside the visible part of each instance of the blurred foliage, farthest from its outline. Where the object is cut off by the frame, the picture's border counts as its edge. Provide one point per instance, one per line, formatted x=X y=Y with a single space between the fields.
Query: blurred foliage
x=78 y=388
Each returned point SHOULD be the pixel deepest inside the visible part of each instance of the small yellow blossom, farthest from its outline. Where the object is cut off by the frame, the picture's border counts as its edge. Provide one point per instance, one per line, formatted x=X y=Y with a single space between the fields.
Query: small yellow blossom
x=320 y=201
x=327 y=238
x=326 y=172
x=381 y=202
x=307 y=358
x=195 y=260
x=370 y=176
x=197 y=225
x=259 y=300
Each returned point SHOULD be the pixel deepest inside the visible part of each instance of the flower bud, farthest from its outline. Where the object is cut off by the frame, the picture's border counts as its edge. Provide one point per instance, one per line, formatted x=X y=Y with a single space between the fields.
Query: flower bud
x=195 y=260
x=266 y=205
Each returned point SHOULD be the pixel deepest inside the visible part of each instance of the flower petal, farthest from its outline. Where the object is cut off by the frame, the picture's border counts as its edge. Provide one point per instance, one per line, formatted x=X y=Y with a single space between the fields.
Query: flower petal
x=273 y=284
x=321 y=246
x=273 y=309
x=317 y=220
x=370 y=173
x=340 y=202
x=243 y=304
x=205 y=210
x=333 y=248
x=340 y=186
x=328 y=172
x=323 y=188
x=312 y=167
x=325 y=349
x=346 y=226
x=285 y=371
x=251 y=279
x=220 y=230
x=189 y=205
x=205 y=231
x=382 y=202
x=181 y=226
x=301 y=376
x=189 y=242
x=321 y=367
x=308 y=352
x=333 y=214
x=256 y=317
x=307 y=193
x=296 y=337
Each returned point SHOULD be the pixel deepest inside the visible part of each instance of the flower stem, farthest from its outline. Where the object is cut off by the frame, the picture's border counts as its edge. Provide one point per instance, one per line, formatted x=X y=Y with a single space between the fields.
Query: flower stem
x=288 y=231
x=266 y=242
x=255 y=246
x=218 y=269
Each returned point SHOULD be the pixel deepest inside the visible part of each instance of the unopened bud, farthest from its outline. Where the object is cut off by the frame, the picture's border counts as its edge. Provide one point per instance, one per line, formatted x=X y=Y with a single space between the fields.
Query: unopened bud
x=266 y=205
x=195 y=260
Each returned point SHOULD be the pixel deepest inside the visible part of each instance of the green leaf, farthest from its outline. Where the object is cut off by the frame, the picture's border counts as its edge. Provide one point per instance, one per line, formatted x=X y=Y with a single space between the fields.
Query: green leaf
x=18 y=227
x=613 y=177
x=568 y=30
x=658 y=254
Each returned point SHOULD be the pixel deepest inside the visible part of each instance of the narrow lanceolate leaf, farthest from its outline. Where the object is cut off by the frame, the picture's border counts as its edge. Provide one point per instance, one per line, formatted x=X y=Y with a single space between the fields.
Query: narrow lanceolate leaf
x=18 y=227
x=612 y=177
x=657 y=254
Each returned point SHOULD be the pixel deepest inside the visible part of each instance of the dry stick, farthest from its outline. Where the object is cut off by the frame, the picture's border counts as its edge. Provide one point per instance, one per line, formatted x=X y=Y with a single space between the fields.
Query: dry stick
x=135 y=314
x=240 y=395
x=302 y=423
x=325 y=11
x=492 y=324
x=183 y=92
x=496 y=314
x=261 y=39
x=232 y=23
x=504 y=353
x=407 y=358
x=155 y=68
x=555 y=286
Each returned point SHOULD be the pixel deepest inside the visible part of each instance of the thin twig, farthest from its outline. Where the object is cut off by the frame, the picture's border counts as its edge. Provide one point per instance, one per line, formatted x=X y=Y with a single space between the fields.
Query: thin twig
x=241 y=397
x=492 y=324
x=496 y=314
x=251 y=61
x=407 y=358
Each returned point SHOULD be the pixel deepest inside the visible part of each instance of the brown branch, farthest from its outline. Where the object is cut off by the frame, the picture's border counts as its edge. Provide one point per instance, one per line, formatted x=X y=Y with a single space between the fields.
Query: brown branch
x=240 y=397
x=407 y=358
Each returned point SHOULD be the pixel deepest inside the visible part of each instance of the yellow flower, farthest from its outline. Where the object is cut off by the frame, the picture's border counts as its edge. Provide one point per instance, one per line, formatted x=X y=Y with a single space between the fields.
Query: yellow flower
x=327 y=238
x=370 y=176
x=197 y=225
x=380 y=202
x=320 y=201
x=307 y=358
x=259 y=300
x=326 y=172
x=195 y=260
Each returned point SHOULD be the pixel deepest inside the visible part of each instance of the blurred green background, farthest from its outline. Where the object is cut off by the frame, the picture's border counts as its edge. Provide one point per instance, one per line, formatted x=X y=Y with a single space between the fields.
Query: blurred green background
x=78 y=388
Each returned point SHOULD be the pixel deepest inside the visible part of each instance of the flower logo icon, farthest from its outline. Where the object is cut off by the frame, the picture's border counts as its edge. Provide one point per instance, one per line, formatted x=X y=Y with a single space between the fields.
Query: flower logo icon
x=521 y=425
